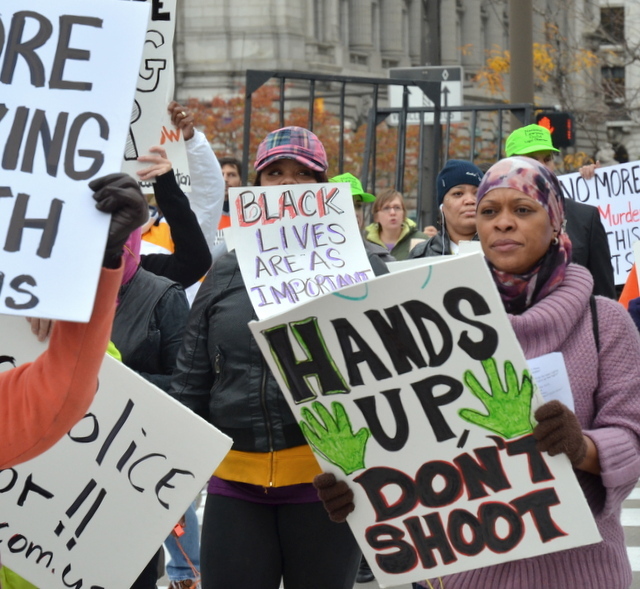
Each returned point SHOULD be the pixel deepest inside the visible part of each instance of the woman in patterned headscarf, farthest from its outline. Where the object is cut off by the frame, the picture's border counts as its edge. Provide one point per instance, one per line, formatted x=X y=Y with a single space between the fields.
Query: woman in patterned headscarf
x=520 y=211
x=520 y=222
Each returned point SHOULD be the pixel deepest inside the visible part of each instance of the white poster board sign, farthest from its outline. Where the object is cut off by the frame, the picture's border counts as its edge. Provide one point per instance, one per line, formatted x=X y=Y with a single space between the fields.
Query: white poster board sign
x=150 y=121
x=95 y=508
x=68 y=71
x=399 y=386
x=296 y=242
x=615 y=190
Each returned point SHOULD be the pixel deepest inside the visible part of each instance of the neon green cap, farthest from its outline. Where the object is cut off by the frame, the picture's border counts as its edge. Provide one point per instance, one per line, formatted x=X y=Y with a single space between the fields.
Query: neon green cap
x=356 y=187
x=529 y=139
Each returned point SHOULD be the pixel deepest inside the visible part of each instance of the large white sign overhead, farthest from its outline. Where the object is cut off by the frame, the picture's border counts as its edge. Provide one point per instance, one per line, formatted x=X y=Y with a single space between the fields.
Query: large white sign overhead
x=68 y=71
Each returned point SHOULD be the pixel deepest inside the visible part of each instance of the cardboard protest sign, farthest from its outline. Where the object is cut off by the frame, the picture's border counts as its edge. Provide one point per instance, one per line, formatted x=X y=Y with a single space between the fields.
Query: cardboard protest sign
x=67 y=73
x=296 y=242
x=92 y=510
x=150 y=121
x=414 y=389
x=615 y=190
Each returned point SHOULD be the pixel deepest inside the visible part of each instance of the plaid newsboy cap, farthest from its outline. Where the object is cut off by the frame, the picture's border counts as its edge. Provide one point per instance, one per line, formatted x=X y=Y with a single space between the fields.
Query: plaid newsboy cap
x=294 y=143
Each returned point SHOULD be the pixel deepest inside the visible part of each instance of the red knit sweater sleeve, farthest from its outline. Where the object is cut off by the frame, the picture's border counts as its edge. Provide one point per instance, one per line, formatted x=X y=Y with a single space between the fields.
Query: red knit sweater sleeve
x=41 y=400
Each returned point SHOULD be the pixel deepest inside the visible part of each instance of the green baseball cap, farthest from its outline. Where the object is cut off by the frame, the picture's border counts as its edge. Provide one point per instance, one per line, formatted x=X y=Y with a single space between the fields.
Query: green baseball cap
x=529 y=139
x=356 y=187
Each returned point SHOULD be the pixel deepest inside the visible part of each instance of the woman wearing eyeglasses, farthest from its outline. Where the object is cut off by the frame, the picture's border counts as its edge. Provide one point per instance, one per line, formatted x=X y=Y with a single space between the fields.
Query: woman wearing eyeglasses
x=391 y=227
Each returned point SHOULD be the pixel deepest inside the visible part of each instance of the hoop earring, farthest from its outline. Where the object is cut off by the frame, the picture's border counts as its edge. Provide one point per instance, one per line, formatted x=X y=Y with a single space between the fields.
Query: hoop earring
x=555 y=241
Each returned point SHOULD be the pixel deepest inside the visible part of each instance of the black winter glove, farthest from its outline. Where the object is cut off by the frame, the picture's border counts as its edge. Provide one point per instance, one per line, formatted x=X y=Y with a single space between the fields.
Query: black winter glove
x=120 y=195
x=558 y=431
x=336 y=496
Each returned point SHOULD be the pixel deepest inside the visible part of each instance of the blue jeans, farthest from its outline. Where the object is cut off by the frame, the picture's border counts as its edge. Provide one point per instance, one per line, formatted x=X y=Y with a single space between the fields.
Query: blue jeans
x=179 y=568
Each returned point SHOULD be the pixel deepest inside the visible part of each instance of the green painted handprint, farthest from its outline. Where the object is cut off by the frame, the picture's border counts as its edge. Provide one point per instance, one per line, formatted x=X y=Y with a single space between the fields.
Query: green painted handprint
x=334 y=438
x=508 y=408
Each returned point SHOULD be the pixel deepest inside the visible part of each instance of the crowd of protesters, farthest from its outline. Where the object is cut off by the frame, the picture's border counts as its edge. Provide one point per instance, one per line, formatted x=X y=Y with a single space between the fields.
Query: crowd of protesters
x=173 y=301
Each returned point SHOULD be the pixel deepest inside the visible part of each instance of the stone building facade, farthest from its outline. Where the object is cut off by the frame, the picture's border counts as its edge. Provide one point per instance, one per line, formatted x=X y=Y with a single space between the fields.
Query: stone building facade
x=218 y=40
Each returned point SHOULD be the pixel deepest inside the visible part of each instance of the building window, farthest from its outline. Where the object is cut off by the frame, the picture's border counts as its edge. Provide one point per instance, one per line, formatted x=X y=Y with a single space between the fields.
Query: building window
x=613 y=85
x=405 y=29
x=344 y=22
x=612 y=25
x=375 y=26
x=359 y=59
x=318 y=20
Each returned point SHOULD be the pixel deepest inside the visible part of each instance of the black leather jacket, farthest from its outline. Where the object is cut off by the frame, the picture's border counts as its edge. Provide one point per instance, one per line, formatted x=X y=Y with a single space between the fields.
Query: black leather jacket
x=149 y=325
x=220 y=372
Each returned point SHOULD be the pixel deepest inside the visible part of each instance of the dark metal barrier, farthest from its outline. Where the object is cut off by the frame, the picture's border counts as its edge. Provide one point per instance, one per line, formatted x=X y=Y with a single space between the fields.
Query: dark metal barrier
x=437 y=145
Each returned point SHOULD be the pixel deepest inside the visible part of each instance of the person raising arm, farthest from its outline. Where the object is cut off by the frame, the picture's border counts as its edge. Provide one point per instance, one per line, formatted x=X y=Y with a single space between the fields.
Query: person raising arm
x=41 y=400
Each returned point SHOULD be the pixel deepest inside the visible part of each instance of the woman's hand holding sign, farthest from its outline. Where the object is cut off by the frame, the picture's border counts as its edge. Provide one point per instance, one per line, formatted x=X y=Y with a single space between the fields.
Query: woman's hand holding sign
x=558 y=431
x=336 y=496
x=158 y=164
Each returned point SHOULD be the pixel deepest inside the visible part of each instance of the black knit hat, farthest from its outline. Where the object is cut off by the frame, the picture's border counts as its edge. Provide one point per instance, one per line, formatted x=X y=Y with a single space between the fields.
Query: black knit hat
x=454 y=173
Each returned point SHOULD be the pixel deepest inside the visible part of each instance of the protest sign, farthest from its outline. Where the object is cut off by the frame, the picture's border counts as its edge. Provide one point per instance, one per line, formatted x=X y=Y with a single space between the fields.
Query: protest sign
x=94 y=509
x=150 y=121
x=67 y=80
x=296 y=242
x=615 y=191
x=413 y=388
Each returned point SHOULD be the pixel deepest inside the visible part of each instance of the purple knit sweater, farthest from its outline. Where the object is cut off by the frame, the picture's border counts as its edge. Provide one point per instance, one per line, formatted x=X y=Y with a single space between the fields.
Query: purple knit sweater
x=606 y=389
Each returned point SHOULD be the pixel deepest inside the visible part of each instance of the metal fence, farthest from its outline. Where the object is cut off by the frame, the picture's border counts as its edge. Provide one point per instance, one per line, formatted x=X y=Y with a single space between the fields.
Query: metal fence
x=434 y=139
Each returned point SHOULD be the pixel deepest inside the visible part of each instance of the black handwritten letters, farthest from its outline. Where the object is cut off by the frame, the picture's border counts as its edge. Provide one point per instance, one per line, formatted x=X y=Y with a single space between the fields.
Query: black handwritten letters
x=145 y=470
x=607 y=184
x=33 y=124
x=439 y=484
x=404 y=350
x=120 y=449
x=16 y=46
x=23 y=283
x=47 y=58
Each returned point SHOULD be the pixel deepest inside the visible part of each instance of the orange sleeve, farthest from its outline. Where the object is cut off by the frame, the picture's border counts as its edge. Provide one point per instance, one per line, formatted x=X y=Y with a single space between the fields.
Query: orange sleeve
x=630 y=289
x=41 y=400
x=160 y=235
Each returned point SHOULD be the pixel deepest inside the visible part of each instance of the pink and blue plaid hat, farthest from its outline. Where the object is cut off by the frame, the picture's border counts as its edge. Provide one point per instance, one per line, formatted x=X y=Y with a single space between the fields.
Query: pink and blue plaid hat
x=293 y=143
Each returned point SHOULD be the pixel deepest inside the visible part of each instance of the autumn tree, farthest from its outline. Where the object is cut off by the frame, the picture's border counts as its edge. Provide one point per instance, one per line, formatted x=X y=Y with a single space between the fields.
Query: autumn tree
x=580 y=56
